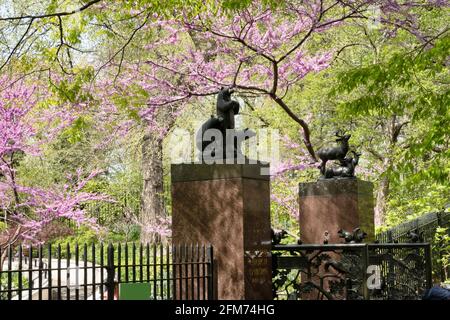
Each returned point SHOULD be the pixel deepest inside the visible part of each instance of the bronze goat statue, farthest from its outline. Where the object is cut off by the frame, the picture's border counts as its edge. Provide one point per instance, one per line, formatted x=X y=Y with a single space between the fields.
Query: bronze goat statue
x=346 y=168
x=334 y=153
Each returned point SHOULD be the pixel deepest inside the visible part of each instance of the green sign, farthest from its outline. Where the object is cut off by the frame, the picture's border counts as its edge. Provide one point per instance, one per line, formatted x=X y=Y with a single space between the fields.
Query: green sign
x=134 y=291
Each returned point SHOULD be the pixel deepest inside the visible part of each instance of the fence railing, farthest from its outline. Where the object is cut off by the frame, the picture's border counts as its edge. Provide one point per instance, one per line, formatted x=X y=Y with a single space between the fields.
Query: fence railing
x=425 y=228
x=96 y=271
x=351 y=271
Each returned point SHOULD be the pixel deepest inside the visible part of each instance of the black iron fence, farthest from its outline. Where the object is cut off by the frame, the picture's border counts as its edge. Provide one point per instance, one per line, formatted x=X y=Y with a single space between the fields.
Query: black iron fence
x=424 y=226
x=423 y=229
x=351 y=271
x=98 y=272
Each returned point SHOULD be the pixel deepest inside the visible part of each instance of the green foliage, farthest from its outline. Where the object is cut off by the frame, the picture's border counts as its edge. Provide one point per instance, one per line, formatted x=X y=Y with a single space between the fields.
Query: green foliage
x=82 y=235
x=52 y=7
x=85 y=236
x=76 y=132
x=415 y=201
x=128 y=104
x=73 y=89
x=404 y=86
x=14 y=284
x=442 y=249
x=193 y=7
x=399 y=74
x=242 y=4
x=399 y=70
x=3 y=226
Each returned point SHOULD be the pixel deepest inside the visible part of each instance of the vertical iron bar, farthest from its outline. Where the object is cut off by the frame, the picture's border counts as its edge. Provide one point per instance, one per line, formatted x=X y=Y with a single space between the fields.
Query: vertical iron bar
x=389 y=235
x=134 y=262
x=93 y=271
x=119 y=263
x=161 y=270
x=441 y=266
x=102 y=275
x=192 y=263
x=204 y=271
x=9 y=274
x=147 y=254
x=365 y=260
x=186 y=272
x=126 y=262
x=110 y=272
x=30 y=272
x=174 y=271
x=168 y=271
x=85 y=272
x=77 y=272
x=49 y=278
x=59 y=272
x=155 y=295
x=68 y=271
x=197 y=253
x=428 y=266
x=210 y=273
x=141 y=263
x=180 y=269
x=20 y=285
x=40 y=266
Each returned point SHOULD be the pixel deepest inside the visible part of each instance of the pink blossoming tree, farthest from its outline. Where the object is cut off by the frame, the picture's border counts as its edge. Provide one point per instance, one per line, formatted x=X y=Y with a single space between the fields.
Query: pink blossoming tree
x=26 y=210
x=258 y=50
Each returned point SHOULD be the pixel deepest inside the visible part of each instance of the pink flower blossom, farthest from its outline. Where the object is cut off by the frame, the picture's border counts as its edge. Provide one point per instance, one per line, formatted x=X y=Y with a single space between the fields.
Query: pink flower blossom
x=30 y=208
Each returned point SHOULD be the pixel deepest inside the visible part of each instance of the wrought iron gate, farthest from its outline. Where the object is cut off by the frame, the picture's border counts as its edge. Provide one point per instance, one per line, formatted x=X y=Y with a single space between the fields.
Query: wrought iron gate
x=351 y=271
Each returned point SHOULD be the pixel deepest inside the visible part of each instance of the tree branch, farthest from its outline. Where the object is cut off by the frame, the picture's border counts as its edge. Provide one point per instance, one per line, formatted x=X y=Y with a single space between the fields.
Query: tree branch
x=122 y=49
x=301 y=122
x=57 y=14
x=397 y=128
x=17 y=45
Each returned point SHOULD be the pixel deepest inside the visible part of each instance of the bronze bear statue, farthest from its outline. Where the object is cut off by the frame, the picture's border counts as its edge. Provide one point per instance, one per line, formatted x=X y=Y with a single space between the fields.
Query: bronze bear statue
x=226 y=110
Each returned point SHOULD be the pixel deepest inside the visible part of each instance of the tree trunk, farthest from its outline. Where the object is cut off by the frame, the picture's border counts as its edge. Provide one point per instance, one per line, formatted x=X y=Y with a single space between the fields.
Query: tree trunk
x=3 y=257
x=152 y=198
x=380 y=206
x=394 y=131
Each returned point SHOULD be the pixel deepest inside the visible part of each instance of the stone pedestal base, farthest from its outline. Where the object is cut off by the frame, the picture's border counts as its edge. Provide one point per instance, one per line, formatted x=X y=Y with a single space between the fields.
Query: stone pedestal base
x=227 y=206
x=330 y=205
x=327 y=206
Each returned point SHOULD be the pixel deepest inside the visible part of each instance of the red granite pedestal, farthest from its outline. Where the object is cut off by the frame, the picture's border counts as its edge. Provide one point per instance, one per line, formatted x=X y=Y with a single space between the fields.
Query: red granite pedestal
x=327 y=206
x=330 y=205
x=227 y=206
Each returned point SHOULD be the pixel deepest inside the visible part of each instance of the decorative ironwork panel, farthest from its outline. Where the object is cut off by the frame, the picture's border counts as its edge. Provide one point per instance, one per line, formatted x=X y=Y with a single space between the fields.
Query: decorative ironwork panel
x=422 y=229
x=404 y=270
x=331 y=272
x=351 y=271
